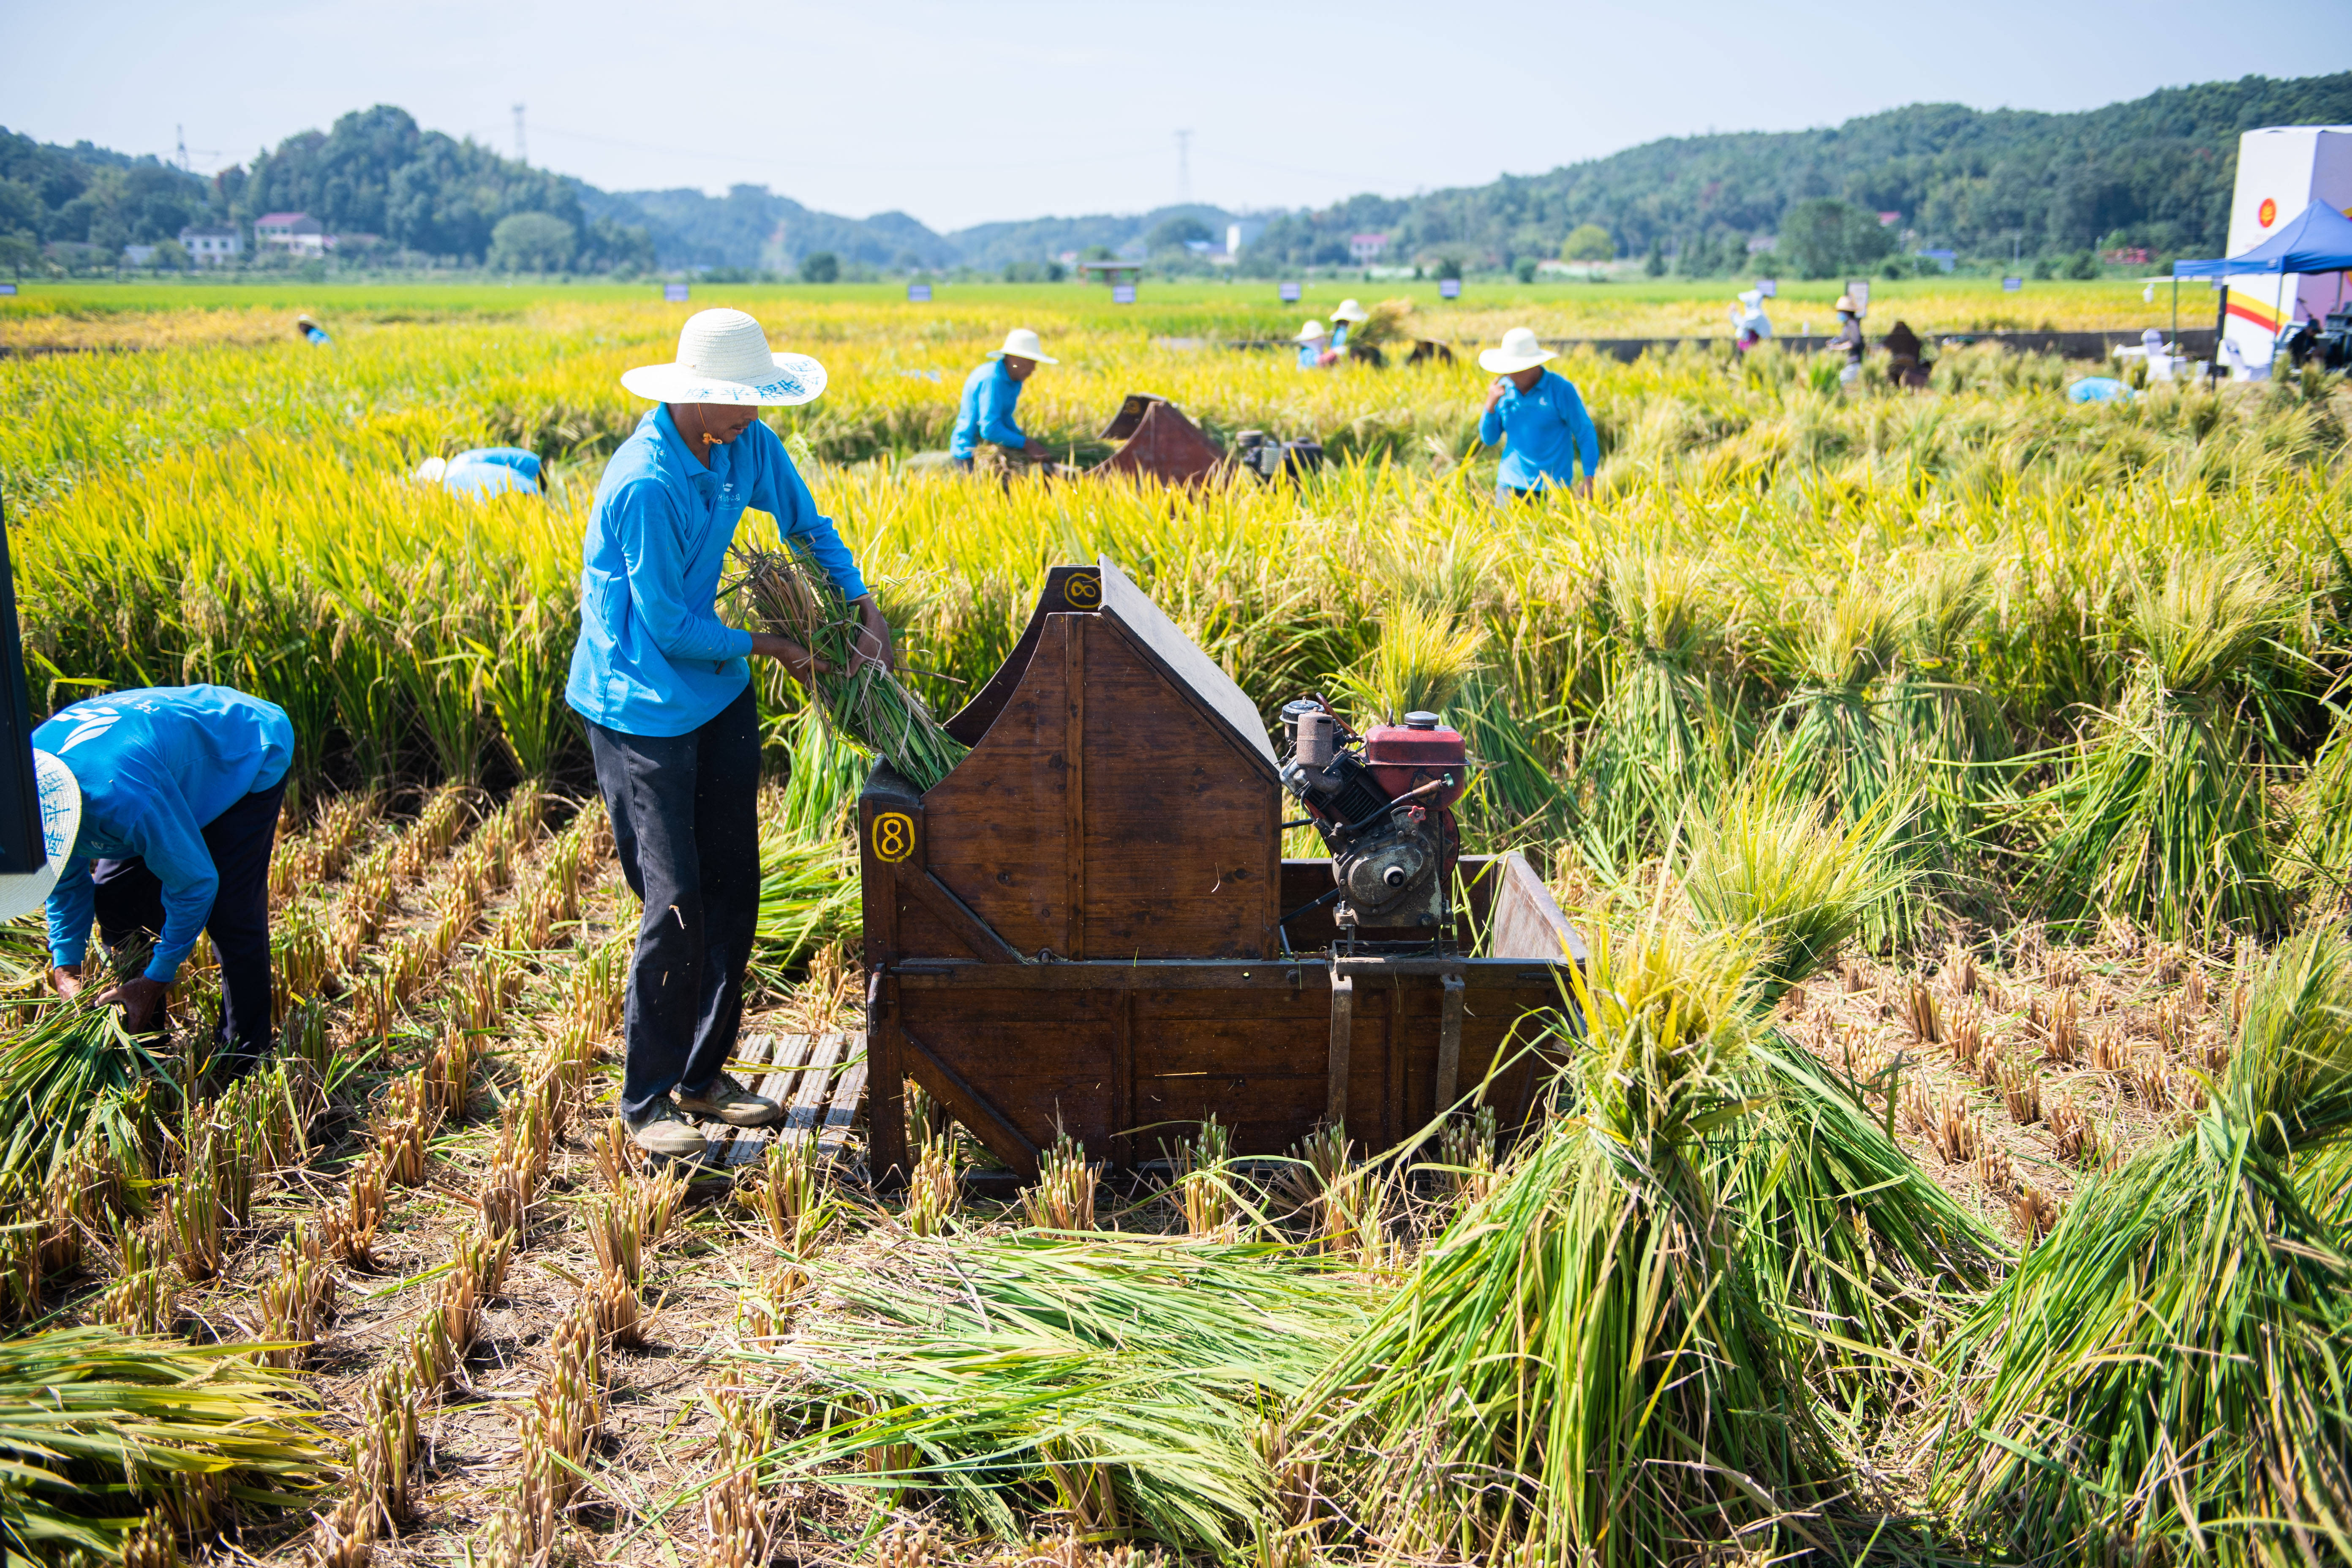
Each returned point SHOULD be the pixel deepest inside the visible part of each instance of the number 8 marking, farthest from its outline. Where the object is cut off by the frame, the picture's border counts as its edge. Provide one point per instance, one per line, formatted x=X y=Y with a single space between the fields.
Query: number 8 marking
x=893 y=837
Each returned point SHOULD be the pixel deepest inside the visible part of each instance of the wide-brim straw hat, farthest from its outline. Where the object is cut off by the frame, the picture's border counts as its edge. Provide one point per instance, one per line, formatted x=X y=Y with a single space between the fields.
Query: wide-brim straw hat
x=723 y=357
x=1350 y=310
x=1021 y=343
x=1520 y=351
x=1846 y=302
x=1752 y=298
x=1312 y=332
x=60 y=794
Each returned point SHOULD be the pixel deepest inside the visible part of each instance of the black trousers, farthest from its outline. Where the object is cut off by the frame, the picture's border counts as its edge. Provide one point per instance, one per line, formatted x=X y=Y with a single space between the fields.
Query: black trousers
x=686 y=822
x=128 y=901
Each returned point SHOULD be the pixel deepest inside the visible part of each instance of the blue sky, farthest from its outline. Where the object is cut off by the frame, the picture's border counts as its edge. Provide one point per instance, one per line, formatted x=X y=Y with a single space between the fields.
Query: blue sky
x=960 y=113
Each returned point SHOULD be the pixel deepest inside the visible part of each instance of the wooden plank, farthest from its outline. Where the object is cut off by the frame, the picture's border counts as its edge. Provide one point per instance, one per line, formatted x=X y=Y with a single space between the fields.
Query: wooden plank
x=1343 y=1022
x=1527 y=919
x=1074 y=787
x=1072 y=587
x=986 y=1123
x=886 y=1109
x=1496 y=979
x=1449 y=1043
x=841 y=1114
x=939 y=900
x=791 y=1052
x=1122 y=1081
x=804 y=1110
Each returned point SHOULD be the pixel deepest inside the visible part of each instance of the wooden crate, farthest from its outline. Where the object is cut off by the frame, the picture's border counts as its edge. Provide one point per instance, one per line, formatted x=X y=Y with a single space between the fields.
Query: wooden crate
x=1079 y=928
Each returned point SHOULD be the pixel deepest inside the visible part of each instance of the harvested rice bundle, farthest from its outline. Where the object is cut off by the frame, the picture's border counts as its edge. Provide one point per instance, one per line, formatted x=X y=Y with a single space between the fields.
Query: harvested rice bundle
x=1123 y=1379
x=97 y=1427
x=63 y=1075
x=862 y=699
x=2163 y=1375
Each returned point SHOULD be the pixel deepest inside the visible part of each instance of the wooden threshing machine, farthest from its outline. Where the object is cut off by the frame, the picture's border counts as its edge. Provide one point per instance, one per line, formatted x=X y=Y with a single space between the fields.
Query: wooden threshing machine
x=1088 y=924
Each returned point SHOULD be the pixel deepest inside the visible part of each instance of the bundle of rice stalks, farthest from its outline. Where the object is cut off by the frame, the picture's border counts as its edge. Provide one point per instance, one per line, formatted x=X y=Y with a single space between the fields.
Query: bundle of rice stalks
x=861 y=700
x=1062 y=1198
x=1577 y=1371
x=1663 y=733
x=2163 y=1375
x=933 y=1195
x=64 y=1072
x=1422 y=657
x=97 y=1426
x=1123 y=1375
x=2164 y=817
x=1770 y=871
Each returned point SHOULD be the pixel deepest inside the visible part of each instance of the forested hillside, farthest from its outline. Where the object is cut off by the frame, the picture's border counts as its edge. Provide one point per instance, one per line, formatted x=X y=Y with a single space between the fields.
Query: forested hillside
x=2156 y=172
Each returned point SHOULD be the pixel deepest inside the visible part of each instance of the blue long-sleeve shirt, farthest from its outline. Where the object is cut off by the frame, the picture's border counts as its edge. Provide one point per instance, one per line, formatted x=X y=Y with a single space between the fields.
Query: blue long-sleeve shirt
x=653 y=657
x=1547 y=429
x=156 y=768
x=985 y=411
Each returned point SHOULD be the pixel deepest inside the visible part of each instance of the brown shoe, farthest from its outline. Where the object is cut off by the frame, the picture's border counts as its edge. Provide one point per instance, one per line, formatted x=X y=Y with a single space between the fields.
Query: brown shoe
x=661 y=1131
x=728 y=1102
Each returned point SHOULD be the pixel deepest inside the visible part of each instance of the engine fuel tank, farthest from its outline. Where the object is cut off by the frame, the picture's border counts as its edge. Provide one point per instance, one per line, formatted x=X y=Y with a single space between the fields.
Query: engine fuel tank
x=1405 y=756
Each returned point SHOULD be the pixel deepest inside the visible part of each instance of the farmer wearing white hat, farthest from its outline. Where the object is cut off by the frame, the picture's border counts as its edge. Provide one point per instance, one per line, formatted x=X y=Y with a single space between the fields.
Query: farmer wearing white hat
x=1849 y=338
x=663 y=685
x=1310 y=344
x=1348 y=314
x=1750 y=324
x=990 y=393
x=159 y=808
x=1538 y=416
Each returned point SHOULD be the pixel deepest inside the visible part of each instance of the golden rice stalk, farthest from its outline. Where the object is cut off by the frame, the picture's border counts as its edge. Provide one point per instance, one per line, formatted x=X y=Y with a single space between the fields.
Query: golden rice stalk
x=933 y=1191
x=403 y=1126
x=1922 y=1015
x=1064 y=1195
x=620 y=1313
x=2077 y=1136
x=2021 y=1091
x=2034 y=1212
x=351 y=1230
x=1954 y=1133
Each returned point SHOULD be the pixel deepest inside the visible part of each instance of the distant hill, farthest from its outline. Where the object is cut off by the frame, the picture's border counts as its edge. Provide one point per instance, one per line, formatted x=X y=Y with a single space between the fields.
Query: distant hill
x=2155 y=171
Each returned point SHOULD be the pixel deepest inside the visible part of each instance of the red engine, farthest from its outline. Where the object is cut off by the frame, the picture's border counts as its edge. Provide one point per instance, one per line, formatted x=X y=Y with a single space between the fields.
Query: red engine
x=1404 y=757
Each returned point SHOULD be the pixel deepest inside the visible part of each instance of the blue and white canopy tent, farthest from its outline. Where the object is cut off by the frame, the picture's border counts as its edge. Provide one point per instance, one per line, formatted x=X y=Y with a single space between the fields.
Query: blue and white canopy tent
x=2318 y=239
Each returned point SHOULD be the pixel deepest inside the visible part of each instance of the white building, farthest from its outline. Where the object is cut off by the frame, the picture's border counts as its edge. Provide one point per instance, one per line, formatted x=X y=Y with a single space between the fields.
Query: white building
x=296 y=232
x=212 y=247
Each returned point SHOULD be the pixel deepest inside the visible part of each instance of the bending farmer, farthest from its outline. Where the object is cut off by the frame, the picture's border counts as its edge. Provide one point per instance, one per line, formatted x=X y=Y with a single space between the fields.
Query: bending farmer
x=1539 y=414
x=167 y=800
x=666 y=692
x=990 y=394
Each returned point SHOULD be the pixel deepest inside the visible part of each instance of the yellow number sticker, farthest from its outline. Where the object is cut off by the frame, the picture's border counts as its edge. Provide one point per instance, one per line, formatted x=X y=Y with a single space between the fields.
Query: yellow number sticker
x=893 y=837
x=1083 y=590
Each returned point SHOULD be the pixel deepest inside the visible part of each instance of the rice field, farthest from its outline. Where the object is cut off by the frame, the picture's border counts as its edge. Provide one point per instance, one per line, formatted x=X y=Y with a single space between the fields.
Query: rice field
x=1950 y=1166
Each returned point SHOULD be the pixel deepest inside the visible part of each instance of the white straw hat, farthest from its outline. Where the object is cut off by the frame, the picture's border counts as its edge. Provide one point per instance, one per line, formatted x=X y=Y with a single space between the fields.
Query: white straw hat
x=723 y=357
x=1350 y=310
x=1519 y=351
x=60 y=794
x=1312 y=332
x=1021 y=343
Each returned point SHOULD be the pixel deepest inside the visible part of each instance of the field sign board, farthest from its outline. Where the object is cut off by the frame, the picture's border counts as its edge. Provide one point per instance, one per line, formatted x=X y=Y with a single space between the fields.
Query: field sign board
x=1290 y=293
x=1449 y=288
x=674 y=293
x=918 y=293
x=8 y=288
x=2011 y=285
x=1122 y=294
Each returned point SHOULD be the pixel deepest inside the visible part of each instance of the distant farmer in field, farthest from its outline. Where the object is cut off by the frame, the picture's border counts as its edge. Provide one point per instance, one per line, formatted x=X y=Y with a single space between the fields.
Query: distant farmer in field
x=663 y=687
x=1536 y=414
x=1344 y=319
x=990 y=393
x=1750 y=324
x=160 y=807
x=1310 y=345
x=311 y=332
x=1849 y=338
x=486 y=471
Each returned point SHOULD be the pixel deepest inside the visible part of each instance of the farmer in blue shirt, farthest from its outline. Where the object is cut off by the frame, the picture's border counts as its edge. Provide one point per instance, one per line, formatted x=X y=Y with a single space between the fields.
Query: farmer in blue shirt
x=990 y=393
x=1538 y=412
x=179 y=788
x=663 y=687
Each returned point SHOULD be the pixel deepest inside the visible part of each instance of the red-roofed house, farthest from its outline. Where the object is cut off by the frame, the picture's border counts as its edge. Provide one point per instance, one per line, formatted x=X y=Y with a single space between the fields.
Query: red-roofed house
x=298 y=232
